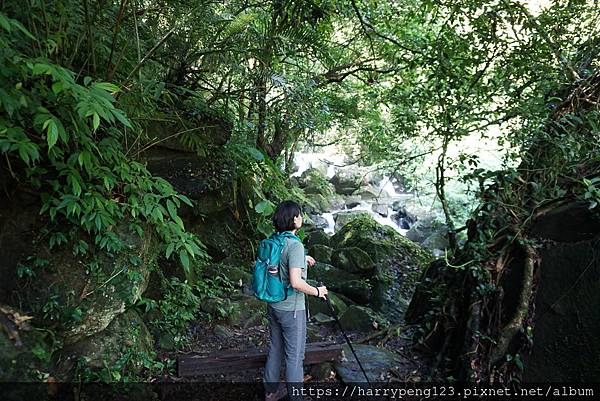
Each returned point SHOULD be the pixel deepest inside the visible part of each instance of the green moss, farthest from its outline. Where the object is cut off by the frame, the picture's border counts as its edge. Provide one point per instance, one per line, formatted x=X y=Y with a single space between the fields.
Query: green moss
x=353 y=260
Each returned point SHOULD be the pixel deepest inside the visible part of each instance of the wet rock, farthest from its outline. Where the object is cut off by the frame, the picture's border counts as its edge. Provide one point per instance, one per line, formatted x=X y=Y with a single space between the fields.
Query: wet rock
x=425 y=227
x=337 y=202
x=316 y=237
x=319 y=305
x=377 y=363
x=346 y=181
x=398 y=263
x=126 y=334
x=93 y=294
x=352 y=201
x=361 y=318
x=402 y=222
x=321 y=253
x=317 y=221
x=369 y=193
x=331 y=276
x=380 y=208
x=357 y=290
x=343 y=218
x=353 y=260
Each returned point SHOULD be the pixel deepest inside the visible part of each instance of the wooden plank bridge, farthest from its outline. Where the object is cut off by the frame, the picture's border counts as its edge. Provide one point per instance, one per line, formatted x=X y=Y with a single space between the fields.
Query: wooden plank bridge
x=191 y=365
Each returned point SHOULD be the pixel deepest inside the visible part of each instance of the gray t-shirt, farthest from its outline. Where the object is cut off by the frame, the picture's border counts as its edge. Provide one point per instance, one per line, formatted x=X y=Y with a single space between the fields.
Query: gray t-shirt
x=292 y=256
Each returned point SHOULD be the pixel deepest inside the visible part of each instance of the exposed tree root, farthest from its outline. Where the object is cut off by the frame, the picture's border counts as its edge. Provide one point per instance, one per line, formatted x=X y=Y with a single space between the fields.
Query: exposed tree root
x=508 y=332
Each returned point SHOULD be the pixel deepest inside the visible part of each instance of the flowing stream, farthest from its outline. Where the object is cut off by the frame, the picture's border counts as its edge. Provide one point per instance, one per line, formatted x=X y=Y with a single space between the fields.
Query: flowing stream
x=387 y=191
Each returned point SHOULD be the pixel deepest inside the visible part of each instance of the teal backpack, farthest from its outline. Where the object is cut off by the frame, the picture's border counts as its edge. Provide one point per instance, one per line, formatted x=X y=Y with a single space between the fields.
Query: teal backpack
x=266 y=280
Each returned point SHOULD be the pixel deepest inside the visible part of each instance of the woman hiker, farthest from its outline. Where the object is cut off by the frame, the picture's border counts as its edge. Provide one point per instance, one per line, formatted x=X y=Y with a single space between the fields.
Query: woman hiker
x=287 y=318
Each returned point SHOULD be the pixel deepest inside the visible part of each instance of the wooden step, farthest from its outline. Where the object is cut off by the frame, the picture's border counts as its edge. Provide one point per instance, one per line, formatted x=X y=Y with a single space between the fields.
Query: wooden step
x=226 y=361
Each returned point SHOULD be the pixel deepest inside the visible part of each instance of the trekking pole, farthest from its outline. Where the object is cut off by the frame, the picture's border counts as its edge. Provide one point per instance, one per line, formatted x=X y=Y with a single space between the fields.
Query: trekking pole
x=337 y=320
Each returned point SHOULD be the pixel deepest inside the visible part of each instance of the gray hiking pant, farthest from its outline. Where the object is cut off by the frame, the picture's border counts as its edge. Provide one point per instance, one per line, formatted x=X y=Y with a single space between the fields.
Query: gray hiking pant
x=288 y=338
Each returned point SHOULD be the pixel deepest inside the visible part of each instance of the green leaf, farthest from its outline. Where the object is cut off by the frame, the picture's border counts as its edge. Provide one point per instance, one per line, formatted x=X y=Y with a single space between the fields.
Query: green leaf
x=52 y=133
x=96 y=121
x=172 y=209
x=185 y=199
x=255 y=153
x=4 y=22
x=185 y=259
x=21 y=28
x=265 y=207
x=170 y=249
x=41 y=69
x=107 y=86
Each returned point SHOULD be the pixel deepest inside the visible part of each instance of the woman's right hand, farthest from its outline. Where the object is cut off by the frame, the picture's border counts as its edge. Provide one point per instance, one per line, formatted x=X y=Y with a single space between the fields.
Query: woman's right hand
x=322 y=292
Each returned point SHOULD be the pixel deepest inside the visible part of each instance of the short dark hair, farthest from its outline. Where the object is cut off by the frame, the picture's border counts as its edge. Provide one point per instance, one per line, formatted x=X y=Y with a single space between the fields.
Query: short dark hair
x=283 y=218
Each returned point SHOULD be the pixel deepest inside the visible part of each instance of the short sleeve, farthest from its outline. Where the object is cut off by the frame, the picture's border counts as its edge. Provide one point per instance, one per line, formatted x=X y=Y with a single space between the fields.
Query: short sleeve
x=296 y=255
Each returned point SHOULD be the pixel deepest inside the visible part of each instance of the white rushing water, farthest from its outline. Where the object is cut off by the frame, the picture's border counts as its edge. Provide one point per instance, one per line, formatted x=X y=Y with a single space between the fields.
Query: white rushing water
x=386 y=190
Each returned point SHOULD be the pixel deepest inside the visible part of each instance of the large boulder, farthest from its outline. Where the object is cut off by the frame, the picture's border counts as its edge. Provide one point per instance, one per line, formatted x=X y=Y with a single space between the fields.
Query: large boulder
x=321 y=253
x=205 y=180
x=316 y=237
x=566 y=323
x=348 y=180
x=361 y=318
x=359 y=291
x=246 y=311
x=81 y=299
x=353 y=260
x=425 y=227
x=331 y=276
x=343 y=218
x=369 y=193
x=315 y=182
x=319 y=305
x=125 y=335
x=376 y=361
x=398 y=262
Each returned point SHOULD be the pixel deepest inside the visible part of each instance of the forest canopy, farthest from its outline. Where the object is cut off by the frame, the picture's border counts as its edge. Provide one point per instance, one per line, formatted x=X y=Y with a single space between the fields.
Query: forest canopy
x=87 y=89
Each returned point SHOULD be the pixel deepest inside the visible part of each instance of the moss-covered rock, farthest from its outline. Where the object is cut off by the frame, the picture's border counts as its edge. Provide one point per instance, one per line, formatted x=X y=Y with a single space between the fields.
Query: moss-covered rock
x=314 y=181
x=398 y=262
x=348 y=180
x=81 y=297
x=316 y=237
x=126 y=336
x=238 y=275
x=321 y=253
x=216 y=231
x=246 y=311
x=360 y=291
x=353 y=260
x=319 y=305
x=361 y=318
x=329 y=275
x=343 y=218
